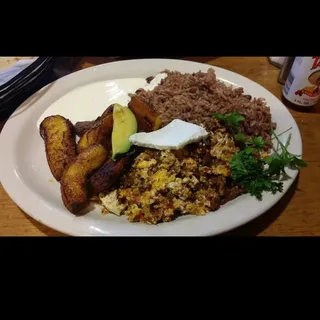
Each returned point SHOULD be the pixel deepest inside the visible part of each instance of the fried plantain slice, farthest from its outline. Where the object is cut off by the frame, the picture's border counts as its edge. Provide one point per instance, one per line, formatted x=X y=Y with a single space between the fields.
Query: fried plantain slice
x=81 y=127
x=111 y=171
x=147 y=118
x=108 y=111
x=59 y=138
x=73 y=186
x=99 y=133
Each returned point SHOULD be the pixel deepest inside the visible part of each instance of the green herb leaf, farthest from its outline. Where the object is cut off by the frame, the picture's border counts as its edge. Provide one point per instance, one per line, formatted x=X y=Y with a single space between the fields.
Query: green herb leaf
x=240 y=137
x=249 y=150
x=219 y=116
x=288 y=159
x=248 y=170
x=288 y=141
x=256 y=142
x=258 y=186
x=245 y=166
x=231 y=119
x=296 y=163
x=275 y=165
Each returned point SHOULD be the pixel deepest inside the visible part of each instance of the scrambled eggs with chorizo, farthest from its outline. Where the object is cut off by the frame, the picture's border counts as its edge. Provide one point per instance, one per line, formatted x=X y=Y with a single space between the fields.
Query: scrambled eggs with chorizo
x=164 y=184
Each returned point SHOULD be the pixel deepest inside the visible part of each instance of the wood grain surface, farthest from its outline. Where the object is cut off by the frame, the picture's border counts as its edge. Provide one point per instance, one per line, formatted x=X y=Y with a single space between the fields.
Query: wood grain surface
x=297 y=214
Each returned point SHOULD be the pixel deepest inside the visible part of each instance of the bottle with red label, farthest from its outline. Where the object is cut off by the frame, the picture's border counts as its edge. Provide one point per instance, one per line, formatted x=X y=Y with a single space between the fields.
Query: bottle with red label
x=302 y=87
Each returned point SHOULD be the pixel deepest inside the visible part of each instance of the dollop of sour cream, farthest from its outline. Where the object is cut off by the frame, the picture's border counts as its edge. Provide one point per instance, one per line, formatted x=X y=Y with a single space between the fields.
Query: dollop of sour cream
x=174 y=136
x=155 y=81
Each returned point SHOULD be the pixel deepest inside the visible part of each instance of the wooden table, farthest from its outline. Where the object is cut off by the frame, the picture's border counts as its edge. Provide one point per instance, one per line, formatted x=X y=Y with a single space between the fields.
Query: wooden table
x=297 y=214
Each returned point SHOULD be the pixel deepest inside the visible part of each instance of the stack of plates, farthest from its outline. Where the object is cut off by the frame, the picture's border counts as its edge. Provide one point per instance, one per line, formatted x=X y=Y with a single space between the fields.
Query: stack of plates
x=22 y=85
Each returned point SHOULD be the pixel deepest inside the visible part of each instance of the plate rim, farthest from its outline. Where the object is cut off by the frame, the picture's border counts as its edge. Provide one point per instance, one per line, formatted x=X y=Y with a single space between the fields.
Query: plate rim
x=4 y=175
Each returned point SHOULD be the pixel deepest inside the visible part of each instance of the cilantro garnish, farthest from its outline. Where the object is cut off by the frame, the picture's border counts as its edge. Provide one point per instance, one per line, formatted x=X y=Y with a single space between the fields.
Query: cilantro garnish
x=249 y=169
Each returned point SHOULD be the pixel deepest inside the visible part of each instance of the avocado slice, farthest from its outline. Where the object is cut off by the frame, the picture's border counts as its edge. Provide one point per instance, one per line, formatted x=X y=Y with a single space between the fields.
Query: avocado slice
x=124 y=125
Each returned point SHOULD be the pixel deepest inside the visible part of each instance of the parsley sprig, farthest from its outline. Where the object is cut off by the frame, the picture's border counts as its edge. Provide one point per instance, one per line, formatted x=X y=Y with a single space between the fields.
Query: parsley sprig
x=255 y=173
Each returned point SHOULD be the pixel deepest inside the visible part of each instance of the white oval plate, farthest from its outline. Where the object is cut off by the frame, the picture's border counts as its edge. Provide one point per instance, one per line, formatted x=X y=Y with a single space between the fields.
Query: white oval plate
x=83 y=95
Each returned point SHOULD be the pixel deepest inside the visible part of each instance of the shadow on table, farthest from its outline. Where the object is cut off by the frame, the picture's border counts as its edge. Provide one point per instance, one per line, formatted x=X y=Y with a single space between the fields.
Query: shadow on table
x=255 y=227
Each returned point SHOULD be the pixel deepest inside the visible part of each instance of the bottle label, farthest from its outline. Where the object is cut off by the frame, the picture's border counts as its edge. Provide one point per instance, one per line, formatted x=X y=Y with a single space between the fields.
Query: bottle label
x=303 y=83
